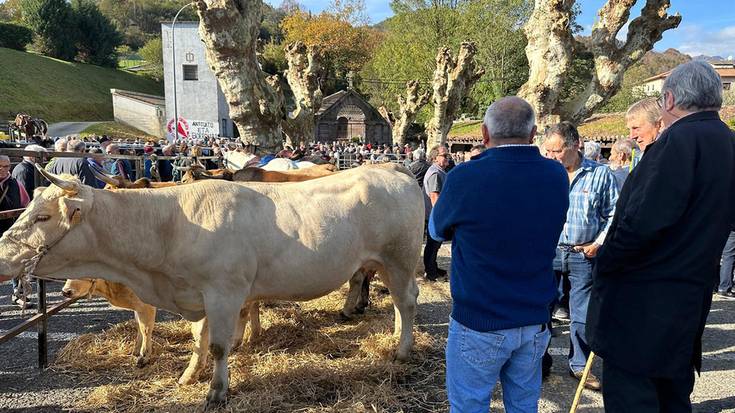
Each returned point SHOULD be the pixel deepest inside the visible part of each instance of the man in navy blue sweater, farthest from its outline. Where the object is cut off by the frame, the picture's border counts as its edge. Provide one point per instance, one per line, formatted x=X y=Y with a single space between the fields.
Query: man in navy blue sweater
x=504 y=211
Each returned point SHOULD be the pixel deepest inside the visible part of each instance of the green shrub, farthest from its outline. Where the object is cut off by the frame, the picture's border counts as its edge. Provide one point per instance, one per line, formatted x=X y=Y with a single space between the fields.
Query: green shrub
x=14 y=36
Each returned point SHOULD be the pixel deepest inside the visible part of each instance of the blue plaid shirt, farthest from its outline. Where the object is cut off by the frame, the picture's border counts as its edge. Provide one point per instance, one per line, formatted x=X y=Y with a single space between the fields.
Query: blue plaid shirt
x=592 y=197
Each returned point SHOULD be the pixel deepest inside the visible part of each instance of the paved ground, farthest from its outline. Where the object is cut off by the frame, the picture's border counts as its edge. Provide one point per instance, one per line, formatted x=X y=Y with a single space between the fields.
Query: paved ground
x=23 y=388
x=68 y=128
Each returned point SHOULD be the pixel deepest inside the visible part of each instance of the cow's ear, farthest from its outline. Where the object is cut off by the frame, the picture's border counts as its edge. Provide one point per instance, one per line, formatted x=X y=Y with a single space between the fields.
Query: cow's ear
x=72 y=209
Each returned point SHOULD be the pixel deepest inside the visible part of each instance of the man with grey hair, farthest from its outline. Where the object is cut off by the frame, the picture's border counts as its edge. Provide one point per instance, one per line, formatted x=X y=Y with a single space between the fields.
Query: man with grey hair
x=652 y=289
x=77 y=166
x=76 y=145
x=592 y=196
x=419 y=166
x=643 y=120
x=25 y=172
x=621 y=155
x=504 y=211
x=592 y=151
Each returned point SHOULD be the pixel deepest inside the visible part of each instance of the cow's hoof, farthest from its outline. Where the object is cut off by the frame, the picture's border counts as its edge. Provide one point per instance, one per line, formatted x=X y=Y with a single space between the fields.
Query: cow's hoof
x=141 y=362
x=360 y=310
x=215 y=399
x=187 y=379
x=344 y=316
x=402 y=356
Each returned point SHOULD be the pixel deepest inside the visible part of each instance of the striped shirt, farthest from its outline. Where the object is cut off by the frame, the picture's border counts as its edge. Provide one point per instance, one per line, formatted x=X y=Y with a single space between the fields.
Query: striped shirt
x=592 y=197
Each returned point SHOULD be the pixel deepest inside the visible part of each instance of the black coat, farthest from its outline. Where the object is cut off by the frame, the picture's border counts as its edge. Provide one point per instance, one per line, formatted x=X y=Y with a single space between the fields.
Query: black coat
x=652 y=286
x=25 y=174
x=78 y=167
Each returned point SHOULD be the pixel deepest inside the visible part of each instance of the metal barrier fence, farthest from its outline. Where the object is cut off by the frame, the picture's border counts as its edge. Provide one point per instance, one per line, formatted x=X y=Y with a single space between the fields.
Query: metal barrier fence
x=40 y=319
x=348 y=161
x=42 y=313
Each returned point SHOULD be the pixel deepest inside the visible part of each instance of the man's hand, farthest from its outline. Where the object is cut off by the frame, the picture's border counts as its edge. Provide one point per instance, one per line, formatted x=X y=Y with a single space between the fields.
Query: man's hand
x=589 y=250
x=434 y=198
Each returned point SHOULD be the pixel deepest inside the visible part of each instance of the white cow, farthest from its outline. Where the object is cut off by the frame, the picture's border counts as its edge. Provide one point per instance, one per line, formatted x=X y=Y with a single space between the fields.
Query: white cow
x=216 y=245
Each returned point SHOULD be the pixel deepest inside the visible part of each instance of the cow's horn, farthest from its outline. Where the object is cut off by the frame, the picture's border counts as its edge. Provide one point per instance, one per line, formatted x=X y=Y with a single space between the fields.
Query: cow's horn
x=104 y=177
x=65 y=185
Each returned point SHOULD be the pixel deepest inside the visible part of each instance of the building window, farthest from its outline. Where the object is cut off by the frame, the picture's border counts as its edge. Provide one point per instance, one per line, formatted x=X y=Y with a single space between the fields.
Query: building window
x=191 y=72
x=726 y=86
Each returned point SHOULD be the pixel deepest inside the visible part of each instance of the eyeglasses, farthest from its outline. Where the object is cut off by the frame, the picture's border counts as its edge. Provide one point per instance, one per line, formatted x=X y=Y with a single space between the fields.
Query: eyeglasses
x=661 y=101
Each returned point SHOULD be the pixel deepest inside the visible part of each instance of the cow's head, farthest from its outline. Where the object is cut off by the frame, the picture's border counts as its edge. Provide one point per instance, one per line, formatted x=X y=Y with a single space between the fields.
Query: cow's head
x=78 y=288
x=53 y=220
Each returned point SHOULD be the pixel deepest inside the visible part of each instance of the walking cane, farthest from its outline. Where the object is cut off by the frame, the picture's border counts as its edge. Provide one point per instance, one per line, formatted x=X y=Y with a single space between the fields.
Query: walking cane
x=582 y=381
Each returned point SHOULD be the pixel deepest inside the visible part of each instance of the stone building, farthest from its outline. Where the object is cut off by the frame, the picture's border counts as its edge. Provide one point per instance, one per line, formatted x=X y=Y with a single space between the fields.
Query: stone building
x=199 y=98
x=139 y=110
x=346 y=115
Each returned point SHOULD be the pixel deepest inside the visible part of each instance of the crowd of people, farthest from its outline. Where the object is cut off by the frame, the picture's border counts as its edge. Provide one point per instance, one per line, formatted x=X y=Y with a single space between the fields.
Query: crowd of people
x=624 y=248
x=635 y=246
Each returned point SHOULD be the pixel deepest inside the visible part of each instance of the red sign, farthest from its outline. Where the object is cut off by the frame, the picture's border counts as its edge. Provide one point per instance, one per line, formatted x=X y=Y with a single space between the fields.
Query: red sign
x=183 y=127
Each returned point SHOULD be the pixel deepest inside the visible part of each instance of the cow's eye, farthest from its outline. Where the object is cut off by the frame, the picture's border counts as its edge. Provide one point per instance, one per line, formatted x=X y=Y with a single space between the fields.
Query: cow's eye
x=42 y=218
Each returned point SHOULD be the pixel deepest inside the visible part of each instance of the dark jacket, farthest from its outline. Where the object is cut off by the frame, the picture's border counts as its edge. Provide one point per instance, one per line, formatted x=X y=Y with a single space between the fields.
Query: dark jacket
x=25 y=174
x=11 y=200
x=78 y=167
x=652 y=287
x=418 y=169
x=504 y=236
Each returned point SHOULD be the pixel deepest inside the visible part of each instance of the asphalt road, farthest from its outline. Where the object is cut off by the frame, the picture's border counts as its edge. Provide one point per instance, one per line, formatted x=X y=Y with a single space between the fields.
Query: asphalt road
x=68 y=128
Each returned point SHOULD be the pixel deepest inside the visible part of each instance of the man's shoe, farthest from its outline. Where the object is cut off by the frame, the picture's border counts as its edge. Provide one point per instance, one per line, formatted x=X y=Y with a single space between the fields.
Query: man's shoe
x=442 y=272
x=561 y=314
x=435 y=277
x=727 y=294
x=20 y=302
x=592 y=382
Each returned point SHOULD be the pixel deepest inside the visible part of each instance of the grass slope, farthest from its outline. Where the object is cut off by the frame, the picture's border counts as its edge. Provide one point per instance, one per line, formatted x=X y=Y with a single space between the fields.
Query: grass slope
x=117 y=131
x=56 y=90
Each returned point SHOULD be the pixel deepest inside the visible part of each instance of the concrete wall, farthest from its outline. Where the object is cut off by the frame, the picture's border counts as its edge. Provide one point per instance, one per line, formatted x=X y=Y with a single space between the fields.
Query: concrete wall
x=148 y=117
x=198 y=100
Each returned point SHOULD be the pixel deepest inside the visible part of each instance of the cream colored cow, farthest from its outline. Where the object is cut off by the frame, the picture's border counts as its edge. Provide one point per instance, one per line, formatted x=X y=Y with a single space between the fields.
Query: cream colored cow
x=218 y=245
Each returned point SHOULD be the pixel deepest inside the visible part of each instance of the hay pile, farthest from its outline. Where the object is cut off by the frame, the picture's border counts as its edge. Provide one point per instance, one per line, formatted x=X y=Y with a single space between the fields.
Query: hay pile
x=307 y=360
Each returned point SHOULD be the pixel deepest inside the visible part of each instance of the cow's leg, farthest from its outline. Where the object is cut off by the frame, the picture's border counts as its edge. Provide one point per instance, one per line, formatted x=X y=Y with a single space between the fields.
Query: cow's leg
x=364 y=300
x=222 y=312
x=146 y=318
x=200 y=333
x=242 y=321
x=353 y=296
x=254 y=314
x=404 y=292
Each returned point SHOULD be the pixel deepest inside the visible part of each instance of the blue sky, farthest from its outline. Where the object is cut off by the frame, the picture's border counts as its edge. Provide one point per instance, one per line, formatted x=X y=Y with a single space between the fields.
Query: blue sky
x=708 y=26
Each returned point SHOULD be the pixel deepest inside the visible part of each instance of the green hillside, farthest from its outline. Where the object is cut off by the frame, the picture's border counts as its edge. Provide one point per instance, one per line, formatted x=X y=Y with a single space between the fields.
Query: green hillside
x=56 y=90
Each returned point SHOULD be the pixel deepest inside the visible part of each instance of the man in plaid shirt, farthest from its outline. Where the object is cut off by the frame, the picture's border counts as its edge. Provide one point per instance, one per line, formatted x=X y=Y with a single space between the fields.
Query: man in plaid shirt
x=592 y=197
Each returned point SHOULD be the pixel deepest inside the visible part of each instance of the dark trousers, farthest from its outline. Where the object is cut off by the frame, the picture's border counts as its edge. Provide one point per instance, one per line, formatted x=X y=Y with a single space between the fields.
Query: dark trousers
x=728 y=259
x=626 y=392
x=431 y=250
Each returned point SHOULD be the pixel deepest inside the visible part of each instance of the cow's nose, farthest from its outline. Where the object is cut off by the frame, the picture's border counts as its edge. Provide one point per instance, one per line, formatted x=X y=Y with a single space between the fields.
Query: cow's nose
x=67 y=293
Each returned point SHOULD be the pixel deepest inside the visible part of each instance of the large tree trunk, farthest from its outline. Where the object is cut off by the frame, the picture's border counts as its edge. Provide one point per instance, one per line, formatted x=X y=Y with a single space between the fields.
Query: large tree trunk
x=303 y=74
x=408 y=106
x=453 y=79
x=229 y=29
x=551 y=47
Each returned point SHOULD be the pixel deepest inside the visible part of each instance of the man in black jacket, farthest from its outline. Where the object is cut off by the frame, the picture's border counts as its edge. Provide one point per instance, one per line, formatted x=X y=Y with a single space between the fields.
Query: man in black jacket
x=25 y=172
x=652 y=289
x=78 y=167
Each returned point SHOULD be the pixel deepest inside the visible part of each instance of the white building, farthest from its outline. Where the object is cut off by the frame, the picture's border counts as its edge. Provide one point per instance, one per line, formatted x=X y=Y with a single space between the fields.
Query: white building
x=202 y=107
x=653 y=85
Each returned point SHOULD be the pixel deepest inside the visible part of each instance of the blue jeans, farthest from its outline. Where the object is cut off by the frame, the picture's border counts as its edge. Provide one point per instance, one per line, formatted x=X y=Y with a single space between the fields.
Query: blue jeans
x=476 y=360
x=726 y=267
x=579 y=270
